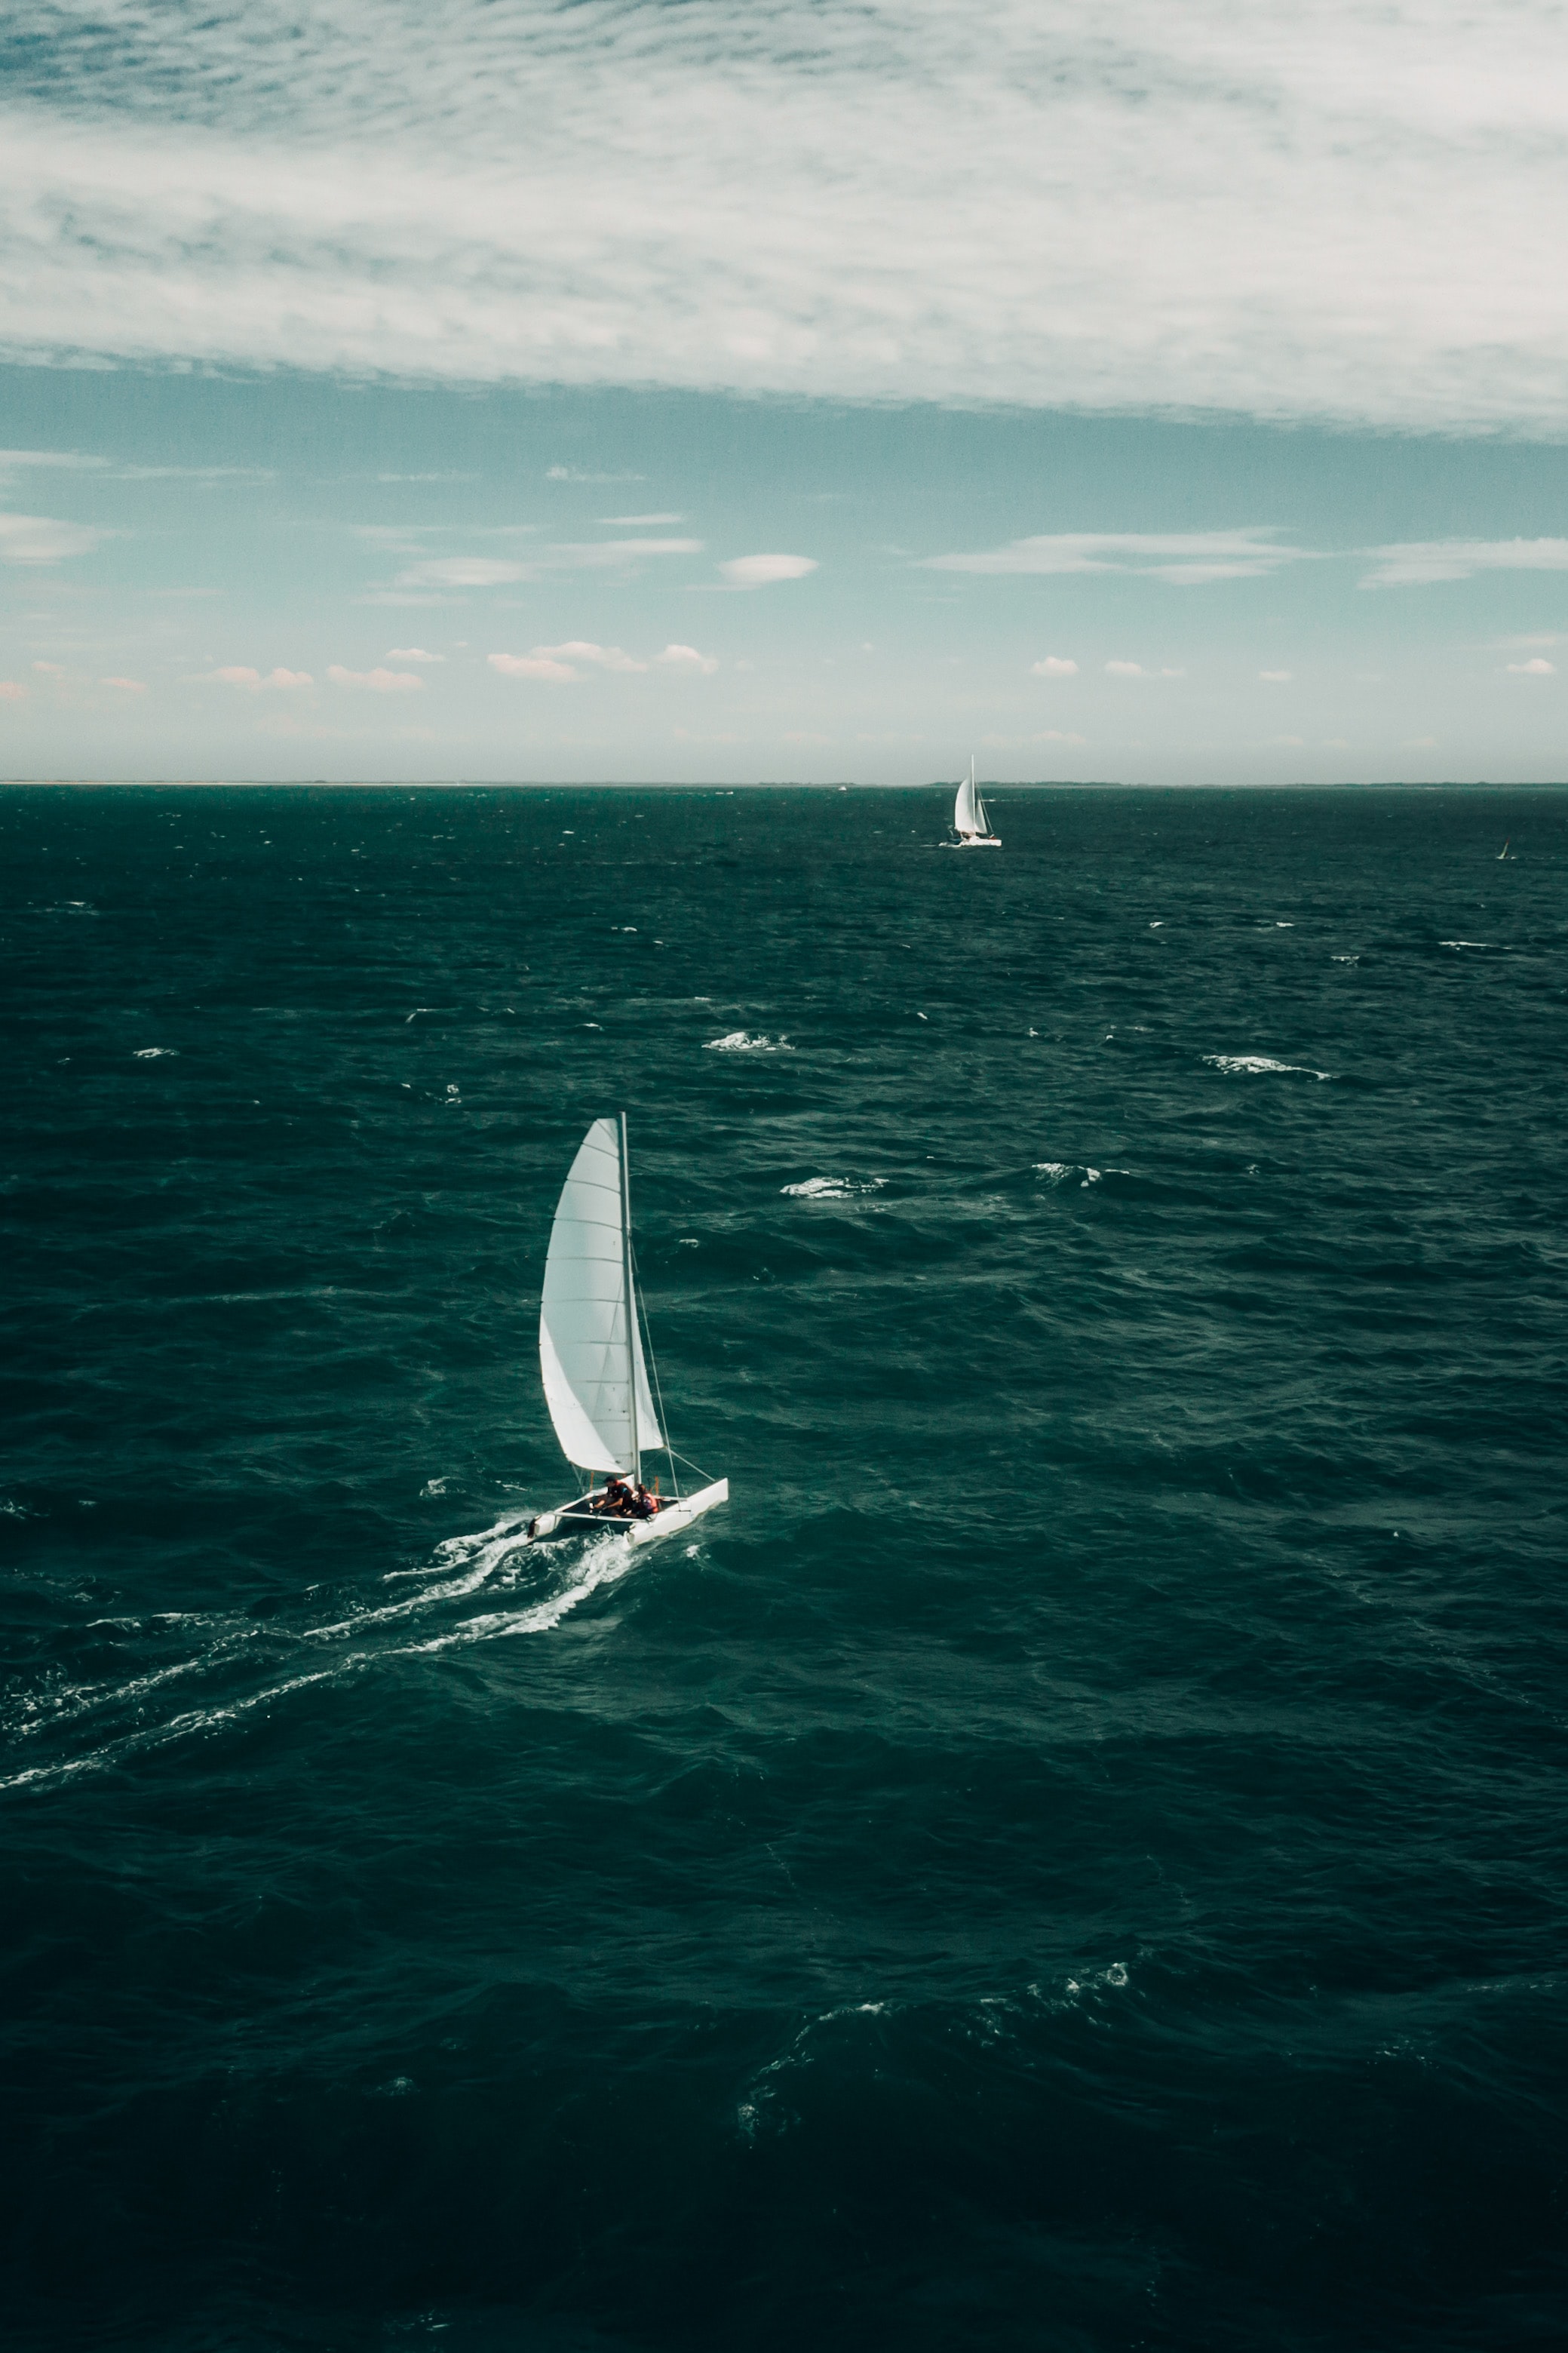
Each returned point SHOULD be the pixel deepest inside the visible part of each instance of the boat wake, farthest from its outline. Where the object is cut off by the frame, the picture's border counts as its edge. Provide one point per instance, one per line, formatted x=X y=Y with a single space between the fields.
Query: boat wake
x=198 y=1673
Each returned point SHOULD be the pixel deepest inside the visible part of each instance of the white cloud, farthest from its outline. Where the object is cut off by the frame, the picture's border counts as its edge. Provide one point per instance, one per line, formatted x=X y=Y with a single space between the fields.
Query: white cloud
x=1275 y=677
x=124 y=685
x=38 y=538
x=761 y=571
x=376 y=681
x=1184 y=559
x=1537 y=667
x=10 y=690
x=639 y=522
x=1352 y=214
x=1136 y=669
x=1418 y=563
x=583 y=650
x=413 y=653
x=1054 y=666
x=564 y=665
x=686 y=658
x=537 y=666
x=573 y=474
x=252 y=681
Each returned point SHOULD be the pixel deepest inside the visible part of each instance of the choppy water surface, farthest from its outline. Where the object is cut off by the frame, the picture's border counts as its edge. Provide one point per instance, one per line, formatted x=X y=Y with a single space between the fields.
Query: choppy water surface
x=1072 y=1857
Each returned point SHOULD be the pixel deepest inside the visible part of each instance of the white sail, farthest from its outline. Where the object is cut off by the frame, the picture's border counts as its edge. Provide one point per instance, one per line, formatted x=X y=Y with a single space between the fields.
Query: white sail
x=963 y=817
x=589 y=1337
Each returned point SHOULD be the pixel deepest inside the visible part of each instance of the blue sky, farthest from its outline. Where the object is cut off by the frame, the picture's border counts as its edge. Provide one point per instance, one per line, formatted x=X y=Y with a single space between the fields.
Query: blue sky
x=791 y=392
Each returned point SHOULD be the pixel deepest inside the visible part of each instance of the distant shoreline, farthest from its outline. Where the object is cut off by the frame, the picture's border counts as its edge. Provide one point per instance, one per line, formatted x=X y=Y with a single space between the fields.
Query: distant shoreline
x=772 y=785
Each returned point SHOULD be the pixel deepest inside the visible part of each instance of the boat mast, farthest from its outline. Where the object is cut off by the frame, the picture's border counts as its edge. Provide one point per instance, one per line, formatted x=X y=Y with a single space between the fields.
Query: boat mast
x=631 y=1307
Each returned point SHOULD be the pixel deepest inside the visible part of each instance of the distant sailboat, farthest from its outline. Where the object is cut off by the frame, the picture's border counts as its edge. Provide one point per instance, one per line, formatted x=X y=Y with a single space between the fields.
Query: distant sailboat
x=969 y=820
x=1503 y=852
x=590 y=1355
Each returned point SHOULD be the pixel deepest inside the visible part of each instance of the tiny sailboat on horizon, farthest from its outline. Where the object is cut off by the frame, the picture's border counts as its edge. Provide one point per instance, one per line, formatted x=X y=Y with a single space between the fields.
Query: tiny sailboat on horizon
x=969 y=820
x=590 y=1355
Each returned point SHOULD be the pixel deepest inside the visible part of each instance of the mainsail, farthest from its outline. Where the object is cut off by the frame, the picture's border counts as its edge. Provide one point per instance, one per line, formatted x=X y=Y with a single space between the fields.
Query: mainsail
x=964 y=819
x=590 y=1347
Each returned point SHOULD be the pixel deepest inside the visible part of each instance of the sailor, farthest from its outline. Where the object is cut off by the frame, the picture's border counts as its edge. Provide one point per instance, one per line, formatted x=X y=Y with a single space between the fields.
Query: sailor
x=617 y=1495
x=643 y=1504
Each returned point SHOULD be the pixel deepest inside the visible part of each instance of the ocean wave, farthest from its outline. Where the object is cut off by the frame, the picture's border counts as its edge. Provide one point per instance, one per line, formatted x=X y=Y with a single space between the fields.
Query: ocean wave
x=1057 y=1172
x=740 y=1041
x=1251 y=1064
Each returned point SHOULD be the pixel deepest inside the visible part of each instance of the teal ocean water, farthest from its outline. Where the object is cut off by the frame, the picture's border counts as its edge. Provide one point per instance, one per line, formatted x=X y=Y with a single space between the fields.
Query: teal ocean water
x=1072 y=1857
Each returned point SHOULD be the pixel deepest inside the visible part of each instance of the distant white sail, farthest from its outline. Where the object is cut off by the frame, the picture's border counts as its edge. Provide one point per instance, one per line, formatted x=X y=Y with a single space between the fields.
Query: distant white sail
x=965 y=818
x=589 y=1341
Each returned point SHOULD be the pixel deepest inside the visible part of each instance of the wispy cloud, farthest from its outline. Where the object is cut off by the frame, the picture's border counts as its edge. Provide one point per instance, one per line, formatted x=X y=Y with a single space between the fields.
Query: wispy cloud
x=764 y=571
x=462 y=571
x=376 y=681
x=1136 y=669
x=11 y=691
x=78 y=461
x=413 y=653
x=576 y=474
x=1184 y=559
x=1420 y=564
x=251 y=682
x=564 y=665
x=74 y=461
x=1054 y=666
x=639 y=522
x=458 y=571
x=1537 y=667
x=126 y=685
x=39 y=539
x=1205 y=209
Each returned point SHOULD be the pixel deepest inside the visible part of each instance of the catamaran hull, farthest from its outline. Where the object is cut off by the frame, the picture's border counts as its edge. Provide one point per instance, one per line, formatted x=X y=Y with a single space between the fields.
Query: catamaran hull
x=974 y=841
x=675 y=1516
x=579 y=1518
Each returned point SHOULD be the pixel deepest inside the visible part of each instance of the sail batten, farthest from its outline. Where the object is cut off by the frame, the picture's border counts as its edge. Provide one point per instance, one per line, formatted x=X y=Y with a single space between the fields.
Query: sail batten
x=590 y=1346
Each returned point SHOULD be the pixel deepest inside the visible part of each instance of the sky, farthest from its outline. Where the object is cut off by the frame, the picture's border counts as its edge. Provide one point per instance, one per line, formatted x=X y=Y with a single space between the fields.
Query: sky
x=669 y=390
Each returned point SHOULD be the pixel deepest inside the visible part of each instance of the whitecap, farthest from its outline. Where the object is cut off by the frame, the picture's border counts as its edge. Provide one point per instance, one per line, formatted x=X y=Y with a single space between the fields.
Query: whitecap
x=151 y=1054
x=740 y=1041
x=1464 y=944
x=1345 y=959
x=1253 y=1063
x=832 y=1189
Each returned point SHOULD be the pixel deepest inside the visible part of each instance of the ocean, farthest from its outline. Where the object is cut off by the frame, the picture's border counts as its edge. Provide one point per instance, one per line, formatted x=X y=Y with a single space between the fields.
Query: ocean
x=1072 y=1857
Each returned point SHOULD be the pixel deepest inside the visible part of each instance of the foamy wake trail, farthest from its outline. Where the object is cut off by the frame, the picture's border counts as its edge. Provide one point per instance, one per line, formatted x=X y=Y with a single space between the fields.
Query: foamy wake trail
x=468 y=1561
x=607 y=1558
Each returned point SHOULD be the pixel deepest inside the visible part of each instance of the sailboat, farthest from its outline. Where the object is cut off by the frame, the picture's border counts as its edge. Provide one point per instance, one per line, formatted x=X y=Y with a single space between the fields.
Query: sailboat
x=1503 y=852
x=969 y=820
x=591 y=1358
